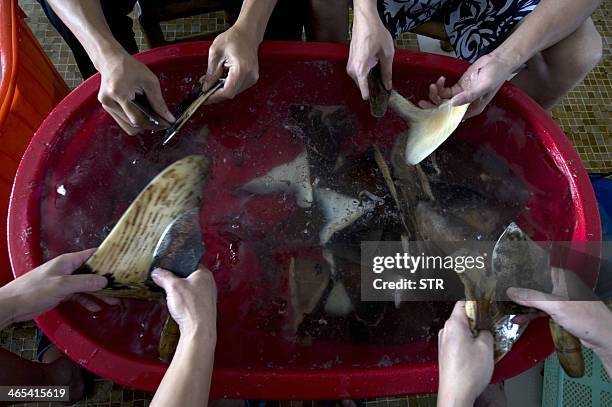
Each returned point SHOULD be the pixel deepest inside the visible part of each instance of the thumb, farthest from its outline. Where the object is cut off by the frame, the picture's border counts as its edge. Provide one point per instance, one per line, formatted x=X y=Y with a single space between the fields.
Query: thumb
x=214 y=70
x=82 y=283
x=65 y=264
x=465 y=97
x=486 y=338
x=535 y=299
x=386 y=69
x=164 y=278
x=232 y=86
x=459 y=312
x=154 y=95
x=362 y=82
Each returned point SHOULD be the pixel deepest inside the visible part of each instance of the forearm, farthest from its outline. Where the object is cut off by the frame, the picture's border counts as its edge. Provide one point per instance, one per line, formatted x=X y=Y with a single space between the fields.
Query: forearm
x=6 y=307
x=254 y=16
x=549 y=23
x=603 y=349
x=606 y=360
x=366 y=12
x=448 y=399
x=598 y=333
x=187 y=380
x=365 y=7
x=86 y=20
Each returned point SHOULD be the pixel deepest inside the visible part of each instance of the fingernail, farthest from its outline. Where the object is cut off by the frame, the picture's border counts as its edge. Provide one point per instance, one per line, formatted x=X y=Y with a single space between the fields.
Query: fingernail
x=513 y=292
x=95 y=308
x=100 y=282
x=112 y=300
x=157 y=273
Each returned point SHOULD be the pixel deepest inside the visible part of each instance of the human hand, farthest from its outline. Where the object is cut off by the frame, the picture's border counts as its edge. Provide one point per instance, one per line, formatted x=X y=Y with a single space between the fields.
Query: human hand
x=235 y=50
x=371 y=43
x=465 y=363
x=192 y=301
x=589 y=321
x=477 y=86
x=49 y=284
x=123 y=77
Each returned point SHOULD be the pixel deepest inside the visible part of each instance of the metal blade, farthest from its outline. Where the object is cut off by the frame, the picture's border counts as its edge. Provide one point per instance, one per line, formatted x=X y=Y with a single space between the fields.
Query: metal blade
x=142 y=104
x=185 y=115
x=379 y=95
x=518 y=261
x=180 y=247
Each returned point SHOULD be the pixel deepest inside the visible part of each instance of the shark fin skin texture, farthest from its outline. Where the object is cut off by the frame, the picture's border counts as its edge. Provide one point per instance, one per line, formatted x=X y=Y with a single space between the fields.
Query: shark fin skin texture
x=125 y=257
x=429 y=128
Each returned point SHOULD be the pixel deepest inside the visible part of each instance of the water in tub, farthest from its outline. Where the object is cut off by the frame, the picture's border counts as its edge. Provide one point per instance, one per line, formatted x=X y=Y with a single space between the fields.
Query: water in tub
x=293 y=183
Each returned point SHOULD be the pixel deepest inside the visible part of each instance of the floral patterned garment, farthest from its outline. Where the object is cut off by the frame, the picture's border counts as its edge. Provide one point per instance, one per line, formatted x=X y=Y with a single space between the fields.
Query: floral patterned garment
x=474 y=27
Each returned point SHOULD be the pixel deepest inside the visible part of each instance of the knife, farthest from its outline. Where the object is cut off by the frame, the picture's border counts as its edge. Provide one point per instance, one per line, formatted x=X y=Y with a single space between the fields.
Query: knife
x=520 y=262
x=379 y=95
x=180 y=247
x=188 y=107
x=179 y=251
x=142 y=104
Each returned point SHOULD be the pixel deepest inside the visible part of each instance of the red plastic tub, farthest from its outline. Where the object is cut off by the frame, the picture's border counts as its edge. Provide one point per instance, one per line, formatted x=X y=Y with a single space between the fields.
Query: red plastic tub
x=80 y=173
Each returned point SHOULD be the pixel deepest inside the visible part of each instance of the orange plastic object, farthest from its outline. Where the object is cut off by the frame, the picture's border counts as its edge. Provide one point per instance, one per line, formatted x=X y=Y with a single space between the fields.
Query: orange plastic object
x=29 y=89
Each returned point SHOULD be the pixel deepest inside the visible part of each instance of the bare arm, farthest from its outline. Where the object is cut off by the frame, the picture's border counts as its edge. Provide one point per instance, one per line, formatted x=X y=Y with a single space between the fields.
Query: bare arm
x=589 y=321
x=192 y=302
x=236 y=50
x=371 y=43
x=465 y=363
x=254 y=16
x=187 y=380
x=6 y=310
x=606 y=359
x=549 y=23
x=123 y=77
x=87 y=22
x=46 y=286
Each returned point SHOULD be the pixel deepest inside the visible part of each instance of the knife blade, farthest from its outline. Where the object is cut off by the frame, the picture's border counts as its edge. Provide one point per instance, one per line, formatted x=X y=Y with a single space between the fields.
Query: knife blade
x=520 y=262
x=179 y=251
x=379 y=95
x=188 y=107
x=142 y=104
x=180 y=247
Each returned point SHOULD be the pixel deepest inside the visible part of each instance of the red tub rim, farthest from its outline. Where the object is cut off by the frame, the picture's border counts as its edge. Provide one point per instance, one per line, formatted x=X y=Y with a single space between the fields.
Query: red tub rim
x=287 y=384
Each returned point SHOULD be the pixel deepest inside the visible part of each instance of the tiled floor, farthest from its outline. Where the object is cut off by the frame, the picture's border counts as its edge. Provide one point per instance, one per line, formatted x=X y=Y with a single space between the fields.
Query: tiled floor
x=585 y=115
